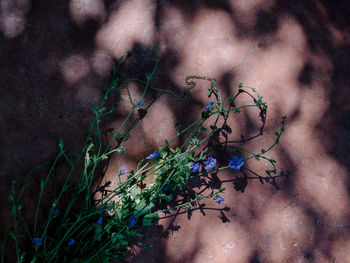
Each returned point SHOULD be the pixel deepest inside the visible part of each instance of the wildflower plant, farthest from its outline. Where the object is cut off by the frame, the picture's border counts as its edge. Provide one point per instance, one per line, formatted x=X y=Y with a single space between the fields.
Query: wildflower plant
x=90 y=229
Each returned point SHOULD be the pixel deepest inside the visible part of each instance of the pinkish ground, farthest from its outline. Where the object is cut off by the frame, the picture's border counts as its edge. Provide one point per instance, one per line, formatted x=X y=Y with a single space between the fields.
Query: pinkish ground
x=55 y=62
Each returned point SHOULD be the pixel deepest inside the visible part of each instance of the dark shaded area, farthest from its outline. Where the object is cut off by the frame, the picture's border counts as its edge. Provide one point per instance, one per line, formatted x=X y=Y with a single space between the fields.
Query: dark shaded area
x=255 y=258
x=266 y=23
x=305 y=76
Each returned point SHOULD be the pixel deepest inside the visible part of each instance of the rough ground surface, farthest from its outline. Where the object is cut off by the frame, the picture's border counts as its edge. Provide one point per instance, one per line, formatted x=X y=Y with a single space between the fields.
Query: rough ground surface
x=55 y=61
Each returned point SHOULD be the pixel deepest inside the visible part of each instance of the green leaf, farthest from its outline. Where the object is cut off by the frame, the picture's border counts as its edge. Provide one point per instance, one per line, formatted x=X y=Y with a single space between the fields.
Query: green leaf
x=60 y=144
x=210 y=90
x=134 y=192
x=263 y=151
x=14 y=182
x=201 y=155
x=121 y=150
x=178 y=127
x=150 y=219
x=98 y=233
x=204 y=115
x=165 y=197
x=143 y=246
x=240 y=85
x=143 y=208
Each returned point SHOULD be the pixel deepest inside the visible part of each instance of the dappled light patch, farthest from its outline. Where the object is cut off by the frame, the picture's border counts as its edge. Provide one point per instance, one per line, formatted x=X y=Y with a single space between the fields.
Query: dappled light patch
x=74 y=68
x=101 y=62
x=13 y=19
x=83 y=10
x=133 y=21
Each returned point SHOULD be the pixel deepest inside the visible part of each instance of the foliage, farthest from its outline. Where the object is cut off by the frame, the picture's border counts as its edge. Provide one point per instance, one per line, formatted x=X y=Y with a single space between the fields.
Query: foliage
x=84 y=229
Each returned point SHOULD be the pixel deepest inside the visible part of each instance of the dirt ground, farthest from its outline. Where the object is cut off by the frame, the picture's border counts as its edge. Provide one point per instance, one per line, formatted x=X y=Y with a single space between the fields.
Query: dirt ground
x=56 y=58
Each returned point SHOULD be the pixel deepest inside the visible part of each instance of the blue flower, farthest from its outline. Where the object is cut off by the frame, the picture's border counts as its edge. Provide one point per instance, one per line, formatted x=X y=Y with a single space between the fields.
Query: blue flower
x=195 y=167
x=38 y=240
x=99 y=221
x=123 y=171
x=71 y=242
x=132 y=221
x=236 y=163
x=218 y=199
x=210 y=164
x=140 y=104
x=153 y=156
x=209 y=106
x=54 y=212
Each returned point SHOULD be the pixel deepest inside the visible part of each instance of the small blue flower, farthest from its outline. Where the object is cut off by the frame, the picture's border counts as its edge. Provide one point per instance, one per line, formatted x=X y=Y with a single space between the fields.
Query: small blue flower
x=132 y=221
x=218 y=199
x=210 y=164
x=209 y=106
x=123 y=171
x=153 y=156
x=259 y=101
x=195 y=167
x=99 y=221
x=236 y=163
x=54 y=212
x=71 y=242
x=38 y=240
x=140 y=104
